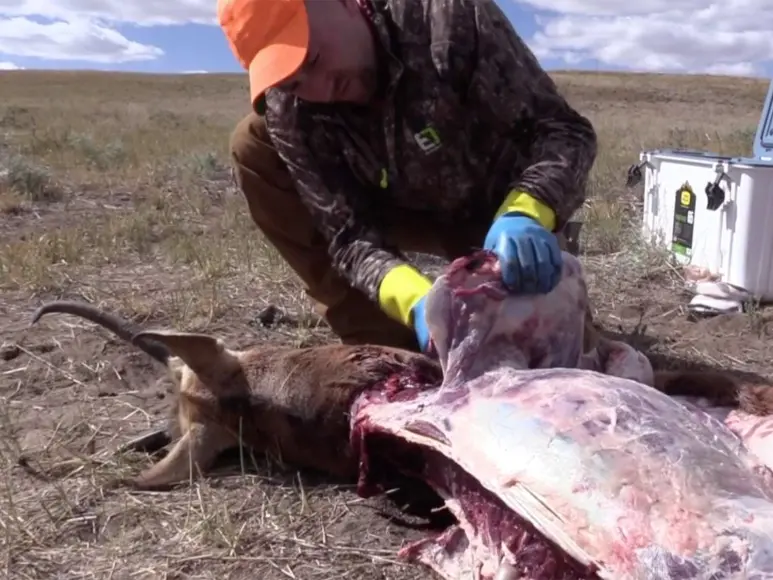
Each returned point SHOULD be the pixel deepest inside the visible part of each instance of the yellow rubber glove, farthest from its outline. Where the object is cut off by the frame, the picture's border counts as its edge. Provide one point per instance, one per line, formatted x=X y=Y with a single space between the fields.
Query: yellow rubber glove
x=518 y=201
x=402 y=295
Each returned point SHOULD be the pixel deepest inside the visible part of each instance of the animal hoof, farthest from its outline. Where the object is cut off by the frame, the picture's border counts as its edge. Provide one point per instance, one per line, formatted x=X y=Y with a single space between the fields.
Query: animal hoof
x=147 y=443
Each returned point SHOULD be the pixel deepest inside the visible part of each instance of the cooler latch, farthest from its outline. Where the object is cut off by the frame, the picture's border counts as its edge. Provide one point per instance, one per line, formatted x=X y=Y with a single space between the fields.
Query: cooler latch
x=634 y=174
x=714 y=193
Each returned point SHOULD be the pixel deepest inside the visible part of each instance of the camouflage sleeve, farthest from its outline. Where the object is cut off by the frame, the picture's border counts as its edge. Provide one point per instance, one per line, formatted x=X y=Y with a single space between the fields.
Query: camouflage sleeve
x=329 y=190
x=507 y=83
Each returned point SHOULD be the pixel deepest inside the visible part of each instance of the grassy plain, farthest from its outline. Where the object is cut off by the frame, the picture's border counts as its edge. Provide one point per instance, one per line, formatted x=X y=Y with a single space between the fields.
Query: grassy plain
x=116 y=189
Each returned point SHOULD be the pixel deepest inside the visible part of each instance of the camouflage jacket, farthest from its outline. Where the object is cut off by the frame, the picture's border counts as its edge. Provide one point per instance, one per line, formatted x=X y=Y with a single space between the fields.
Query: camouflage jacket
x=469 y=115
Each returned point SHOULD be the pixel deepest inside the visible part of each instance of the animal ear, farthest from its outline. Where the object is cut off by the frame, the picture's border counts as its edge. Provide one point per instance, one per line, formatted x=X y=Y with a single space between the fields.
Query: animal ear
x=204 y=354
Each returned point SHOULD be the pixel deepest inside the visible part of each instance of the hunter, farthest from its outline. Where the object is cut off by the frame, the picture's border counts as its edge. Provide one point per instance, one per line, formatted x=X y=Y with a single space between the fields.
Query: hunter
x=384 y=126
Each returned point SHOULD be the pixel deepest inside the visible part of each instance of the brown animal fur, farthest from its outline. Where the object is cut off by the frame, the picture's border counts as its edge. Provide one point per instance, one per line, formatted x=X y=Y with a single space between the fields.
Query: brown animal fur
x=293 y=402
x=750 y=394
x=744 y=391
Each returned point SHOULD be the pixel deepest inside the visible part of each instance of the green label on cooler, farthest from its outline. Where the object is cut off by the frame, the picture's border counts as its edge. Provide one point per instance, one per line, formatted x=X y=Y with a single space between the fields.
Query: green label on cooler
x=684 y=216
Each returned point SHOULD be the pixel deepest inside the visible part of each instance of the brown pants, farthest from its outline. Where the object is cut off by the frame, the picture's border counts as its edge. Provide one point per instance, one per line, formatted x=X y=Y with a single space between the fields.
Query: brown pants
x=278 y=212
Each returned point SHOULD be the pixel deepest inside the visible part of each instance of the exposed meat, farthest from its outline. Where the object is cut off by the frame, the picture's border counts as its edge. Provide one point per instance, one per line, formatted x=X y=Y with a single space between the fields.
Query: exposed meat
x=558 y=465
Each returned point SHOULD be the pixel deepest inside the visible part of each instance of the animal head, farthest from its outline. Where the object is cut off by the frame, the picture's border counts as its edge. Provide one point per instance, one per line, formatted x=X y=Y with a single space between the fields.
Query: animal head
x=210 y=388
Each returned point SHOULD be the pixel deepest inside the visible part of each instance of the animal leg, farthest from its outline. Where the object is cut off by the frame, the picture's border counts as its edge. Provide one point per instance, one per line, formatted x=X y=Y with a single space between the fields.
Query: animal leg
x=752 y=395
x=616 y=358
x=148 y=443
x=192 y=455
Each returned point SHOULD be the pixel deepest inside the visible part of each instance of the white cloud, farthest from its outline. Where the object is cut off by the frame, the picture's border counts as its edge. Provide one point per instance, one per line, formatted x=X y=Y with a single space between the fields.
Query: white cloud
x=688 y=36
x=76 y=39
x=5 y=65
x=728 y=37
x=145 y=13
x=85 y=29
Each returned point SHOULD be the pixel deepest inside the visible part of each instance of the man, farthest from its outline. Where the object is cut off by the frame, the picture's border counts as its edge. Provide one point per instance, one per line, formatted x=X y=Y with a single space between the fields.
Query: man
x=381 y=126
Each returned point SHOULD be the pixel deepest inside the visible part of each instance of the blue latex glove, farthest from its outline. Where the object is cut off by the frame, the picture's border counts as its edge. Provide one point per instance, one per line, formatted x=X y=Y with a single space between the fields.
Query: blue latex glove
x=529 y=254
x=420 y=325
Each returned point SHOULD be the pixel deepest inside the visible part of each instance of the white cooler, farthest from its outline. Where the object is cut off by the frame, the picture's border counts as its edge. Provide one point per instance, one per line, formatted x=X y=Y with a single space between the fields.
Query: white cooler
x=715 y=214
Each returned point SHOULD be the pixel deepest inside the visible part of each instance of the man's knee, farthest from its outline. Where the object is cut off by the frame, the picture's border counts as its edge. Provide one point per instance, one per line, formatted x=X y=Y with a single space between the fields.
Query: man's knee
x=249 y=131
x=254 y=156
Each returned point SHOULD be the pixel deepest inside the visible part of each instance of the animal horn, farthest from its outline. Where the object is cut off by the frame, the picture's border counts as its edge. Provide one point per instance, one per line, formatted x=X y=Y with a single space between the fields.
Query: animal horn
x=122 y=328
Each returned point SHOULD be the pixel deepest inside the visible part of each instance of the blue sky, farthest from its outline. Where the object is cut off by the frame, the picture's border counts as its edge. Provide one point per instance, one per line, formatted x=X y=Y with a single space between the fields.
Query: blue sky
x=193 y=47
x=592 y=34
x=187 y=47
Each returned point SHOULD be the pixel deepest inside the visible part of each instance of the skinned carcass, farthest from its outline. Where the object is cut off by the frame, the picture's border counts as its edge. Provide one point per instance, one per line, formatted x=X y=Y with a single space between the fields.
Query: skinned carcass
x=548 y=476
x=552 y=469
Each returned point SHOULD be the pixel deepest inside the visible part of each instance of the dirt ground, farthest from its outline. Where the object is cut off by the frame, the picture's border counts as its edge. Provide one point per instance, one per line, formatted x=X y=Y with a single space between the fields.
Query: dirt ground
x=116 y=190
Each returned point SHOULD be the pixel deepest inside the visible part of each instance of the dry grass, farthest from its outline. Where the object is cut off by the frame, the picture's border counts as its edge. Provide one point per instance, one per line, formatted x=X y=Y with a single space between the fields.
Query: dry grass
x=116 y=188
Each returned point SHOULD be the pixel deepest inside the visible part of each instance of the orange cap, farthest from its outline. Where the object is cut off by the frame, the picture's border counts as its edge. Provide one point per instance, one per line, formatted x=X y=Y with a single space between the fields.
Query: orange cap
x=270 y=38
